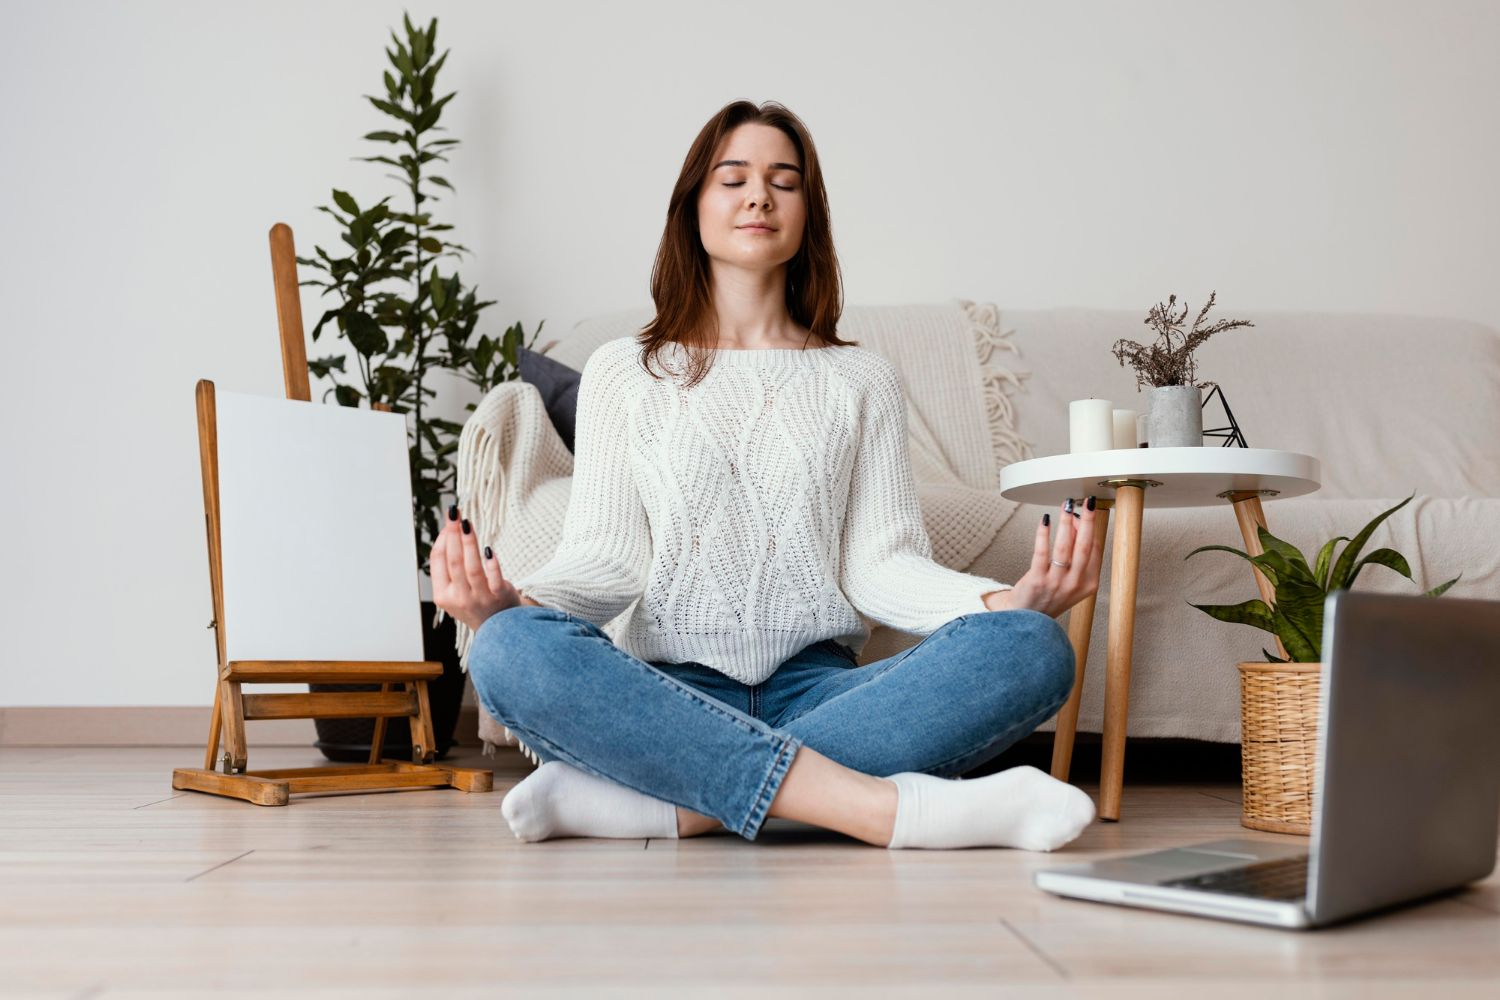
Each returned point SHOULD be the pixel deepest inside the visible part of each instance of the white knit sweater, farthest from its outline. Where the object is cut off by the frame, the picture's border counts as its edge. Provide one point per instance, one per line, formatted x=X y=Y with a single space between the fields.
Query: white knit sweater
x=748 y=517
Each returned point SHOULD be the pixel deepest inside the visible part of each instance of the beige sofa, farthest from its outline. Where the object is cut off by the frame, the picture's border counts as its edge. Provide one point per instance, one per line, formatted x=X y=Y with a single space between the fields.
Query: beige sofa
x=1388 y=404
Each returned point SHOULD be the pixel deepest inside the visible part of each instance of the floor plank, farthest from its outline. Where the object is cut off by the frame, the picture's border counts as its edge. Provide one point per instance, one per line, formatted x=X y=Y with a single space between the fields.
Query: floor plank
x=115 y=886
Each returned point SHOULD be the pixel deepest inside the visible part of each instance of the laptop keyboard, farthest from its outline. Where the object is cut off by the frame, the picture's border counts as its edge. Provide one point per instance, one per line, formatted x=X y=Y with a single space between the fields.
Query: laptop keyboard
x=1283 y=878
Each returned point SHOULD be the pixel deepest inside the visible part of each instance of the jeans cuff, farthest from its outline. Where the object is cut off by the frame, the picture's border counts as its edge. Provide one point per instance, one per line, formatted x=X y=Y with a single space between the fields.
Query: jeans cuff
x=761 y=808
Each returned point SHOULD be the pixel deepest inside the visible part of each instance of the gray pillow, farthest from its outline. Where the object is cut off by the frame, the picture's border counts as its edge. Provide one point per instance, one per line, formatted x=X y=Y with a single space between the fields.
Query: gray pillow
x=558 y=386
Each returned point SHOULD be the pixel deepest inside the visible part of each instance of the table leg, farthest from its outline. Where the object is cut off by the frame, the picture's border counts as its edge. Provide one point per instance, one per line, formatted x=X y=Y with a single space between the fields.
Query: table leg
x=1124 y=571
x=1248 y=512
x=1080 y=627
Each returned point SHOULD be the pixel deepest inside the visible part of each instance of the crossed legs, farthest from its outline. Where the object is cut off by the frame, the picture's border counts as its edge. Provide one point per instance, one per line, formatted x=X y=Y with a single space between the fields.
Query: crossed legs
x=954 y=700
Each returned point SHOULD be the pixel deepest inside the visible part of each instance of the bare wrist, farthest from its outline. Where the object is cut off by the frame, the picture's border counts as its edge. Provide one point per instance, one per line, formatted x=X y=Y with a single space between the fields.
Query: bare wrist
x=997 y=600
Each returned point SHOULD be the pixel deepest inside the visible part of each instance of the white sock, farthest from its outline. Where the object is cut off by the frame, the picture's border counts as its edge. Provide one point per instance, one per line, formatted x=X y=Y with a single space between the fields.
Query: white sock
x=1019 y=807
x=557 y=800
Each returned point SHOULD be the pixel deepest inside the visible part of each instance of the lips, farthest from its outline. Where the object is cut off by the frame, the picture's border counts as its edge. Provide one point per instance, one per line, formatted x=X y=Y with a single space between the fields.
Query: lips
x=757 y=226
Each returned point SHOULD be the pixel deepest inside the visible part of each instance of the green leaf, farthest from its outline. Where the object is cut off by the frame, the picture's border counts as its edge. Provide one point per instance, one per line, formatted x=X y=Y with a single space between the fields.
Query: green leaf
x=441 y=180
x=320 y=367
x=1382 y=557
x=1294 y=637
x=437 y=288
x=1272 y=659
x=1299 y=617
x=391 y=87
x=1287 y=551
x=419 y=50
x=383 y=136
x=1339 y=578
x=1252 y=612
x=484 y=355
x=365 y=335
x=347 y=395
x=327 y=315
x=344 y=201
x=1325 y=558
x=394 y=110
x=1442 y=588
x=431 y=245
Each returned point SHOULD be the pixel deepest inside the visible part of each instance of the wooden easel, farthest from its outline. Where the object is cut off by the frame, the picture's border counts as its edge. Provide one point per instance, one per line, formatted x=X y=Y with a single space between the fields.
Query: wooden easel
x=232 y=708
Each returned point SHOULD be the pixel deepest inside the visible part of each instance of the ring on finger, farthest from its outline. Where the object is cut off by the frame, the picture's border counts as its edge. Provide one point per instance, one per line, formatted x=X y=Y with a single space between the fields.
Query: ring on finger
x=1064 y=565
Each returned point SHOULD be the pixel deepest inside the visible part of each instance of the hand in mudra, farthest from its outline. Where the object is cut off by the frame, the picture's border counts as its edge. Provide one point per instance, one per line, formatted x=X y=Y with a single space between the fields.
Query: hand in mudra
x=1064 y=566
x=466 y=583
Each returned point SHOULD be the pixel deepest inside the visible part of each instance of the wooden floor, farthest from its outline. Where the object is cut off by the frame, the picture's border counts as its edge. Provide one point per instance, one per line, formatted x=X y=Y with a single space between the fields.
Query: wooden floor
x=114 y=885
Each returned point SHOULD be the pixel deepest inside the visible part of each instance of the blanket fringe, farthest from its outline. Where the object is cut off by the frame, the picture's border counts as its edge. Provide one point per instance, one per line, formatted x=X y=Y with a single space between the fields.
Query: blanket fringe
x=997 y=382
x=480 y=491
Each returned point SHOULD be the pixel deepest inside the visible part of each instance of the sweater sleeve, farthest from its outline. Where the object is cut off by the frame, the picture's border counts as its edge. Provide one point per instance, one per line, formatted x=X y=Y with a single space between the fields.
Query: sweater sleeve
x=886 y=567
x=600 y=566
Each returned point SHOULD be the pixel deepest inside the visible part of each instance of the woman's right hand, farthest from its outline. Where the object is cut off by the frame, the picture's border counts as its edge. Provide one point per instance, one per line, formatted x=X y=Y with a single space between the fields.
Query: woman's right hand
x=466 y=584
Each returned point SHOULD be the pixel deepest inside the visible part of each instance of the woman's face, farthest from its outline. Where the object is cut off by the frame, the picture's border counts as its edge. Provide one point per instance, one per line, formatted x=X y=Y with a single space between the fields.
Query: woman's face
x=755 y=177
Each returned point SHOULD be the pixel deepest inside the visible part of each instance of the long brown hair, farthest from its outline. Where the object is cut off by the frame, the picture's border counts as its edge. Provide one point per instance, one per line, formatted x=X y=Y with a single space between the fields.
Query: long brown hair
x=680 y=277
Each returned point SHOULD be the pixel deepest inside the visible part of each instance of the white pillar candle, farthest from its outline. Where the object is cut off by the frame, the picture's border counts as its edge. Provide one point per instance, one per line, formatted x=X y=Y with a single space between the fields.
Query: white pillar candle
x=1125 y=429
x=1090 y=425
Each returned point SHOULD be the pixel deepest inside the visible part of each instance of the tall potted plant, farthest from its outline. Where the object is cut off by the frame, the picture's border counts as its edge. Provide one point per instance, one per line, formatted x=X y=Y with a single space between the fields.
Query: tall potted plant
x=1279 y=698
x=401 y=319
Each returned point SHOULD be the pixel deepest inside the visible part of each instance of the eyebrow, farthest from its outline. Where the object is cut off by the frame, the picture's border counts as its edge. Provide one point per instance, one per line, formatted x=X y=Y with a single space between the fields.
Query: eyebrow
x=746 y=163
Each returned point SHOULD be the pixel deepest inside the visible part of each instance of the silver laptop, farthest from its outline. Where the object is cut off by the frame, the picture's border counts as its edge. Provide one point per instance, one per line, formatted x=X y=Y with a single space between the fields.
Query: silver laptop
x=1407 y=793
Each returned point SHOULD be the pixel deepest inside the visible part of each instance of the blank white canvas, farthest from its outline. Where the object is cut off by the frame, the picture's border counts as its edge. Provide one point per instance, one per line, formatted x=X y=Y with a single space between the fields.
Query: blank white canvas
x=319 y=550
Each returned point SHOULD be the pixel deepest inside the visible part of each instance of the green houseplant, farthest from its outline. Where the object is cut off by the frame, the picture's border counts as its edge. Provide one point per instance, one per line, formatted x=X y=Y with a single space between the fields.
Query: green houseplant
x=1279 y=698
x=402 y=320
x=1300 y=587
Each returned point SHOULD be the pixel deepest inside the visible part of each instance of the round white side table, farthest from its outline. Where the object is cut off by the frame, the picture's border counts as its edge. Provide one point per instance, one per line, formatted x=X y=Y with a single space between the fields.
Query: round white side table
x=1164 y=477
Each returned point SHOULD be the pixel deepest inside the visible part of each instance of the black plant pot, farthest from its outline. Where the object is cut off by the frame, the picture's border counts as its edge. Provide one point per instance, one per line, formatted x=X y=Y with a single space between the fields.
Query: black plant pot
x=348 y=740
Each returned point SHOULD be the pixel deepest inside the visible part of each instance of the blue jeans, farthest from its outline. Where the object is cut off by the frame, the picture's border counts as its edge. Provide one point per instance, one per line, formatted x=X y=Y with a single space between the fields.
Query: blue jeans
x=689 y=735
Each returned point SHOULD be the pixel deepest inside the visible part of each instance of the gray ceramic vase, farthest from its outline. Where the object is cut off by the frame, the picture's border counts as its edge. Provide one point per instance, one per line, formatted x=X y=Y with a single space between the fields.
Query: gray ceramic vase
x=1176 y=416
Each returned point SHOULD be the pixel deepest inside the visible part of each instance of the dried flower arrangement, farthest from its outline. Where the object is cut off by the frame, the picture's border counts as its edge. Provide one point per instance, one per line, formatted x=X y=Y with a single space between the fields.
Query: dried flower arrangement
x=1167 y=362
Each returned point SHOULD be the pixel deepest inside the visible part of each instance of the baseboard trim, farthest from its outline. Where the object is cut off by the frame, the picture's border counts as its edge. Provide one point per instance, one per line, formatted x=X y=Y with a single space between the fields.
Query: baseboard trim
x=163 y=726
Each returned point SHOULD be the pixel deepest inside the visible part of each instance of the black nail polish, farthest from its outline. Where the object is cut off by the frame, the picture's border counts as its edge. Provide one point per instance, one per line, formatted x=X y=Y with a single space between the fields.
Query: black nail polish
x=1069 y=505
x=453 y=512
x=489 y=553
x=1046 y=520
x=1091 y=503
x=466 y=525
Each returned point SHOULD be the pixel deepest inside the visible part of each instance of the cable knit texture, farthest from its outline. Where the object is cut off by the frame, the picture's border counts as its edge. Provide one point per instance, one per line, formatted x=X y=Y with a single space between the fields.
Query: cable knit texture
x=515 y=474
x=756 y=513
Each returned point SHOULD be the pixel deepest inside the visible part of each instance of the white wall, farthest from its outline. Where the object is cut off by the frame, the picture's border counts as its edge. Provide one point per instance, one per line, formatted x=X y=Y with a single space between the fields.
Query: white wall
x=1336 y=155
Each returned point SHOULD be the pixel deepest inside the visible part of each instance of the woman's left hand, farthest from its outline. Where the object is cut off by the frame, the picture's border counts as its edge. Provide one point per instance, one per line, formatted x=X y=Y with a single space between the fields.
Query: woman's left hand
x=1047 y=586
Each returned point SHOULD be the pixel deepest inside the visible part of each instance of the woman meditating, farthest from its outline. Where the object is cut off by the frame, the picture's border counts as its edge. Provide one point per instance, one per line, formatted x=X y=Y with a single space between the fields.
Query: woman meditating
x=742 y=476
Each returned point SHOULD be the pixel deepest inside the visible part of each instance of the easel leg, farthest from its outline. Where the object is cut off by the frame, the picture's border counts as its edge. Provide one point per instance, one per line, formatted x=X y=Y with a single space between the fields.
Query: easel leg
x=1080 y=627
x=377 y=738
x=213 y=733
x=424 y=750
x=1124 y=570
x=1248 y=512
x=232 y=712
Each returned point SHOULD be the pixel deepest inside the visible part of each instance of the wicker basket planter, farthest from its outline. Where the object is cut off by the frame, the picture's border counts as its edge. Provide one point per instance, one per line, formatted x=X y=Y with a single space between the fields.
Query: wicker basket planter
x=1278 y=744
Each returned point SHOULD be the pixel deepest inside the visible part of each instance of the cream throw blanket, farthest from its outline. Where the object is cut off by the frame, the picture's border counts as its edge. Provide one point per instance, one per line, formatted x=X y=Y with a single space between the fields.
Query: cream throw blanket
x=515 y=473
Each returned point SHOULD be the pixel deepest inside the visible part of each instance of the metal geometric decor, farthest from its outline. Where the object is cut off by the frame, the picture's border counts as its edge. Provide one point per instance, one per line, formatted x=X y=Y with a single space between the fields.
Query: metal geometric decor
x=1230 y=434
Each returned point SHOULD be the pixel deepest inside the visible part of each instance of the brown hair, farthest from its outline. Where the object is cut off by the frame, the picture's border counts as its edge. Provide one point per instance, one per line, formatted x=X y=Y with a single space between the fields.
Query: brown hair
x=680 y=276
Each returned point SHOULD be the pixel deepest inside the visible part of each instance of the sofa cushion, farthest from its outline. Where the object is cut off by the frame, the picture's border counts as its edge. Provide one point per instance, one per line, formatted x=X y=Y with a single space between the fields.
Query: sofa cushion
x=558 y=386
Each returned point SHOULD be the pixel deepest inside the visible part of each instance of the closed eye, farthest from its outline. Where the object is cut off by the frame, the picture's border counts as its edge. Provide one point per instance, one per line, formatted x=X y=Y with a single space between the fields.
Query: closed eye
x=738 y=183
